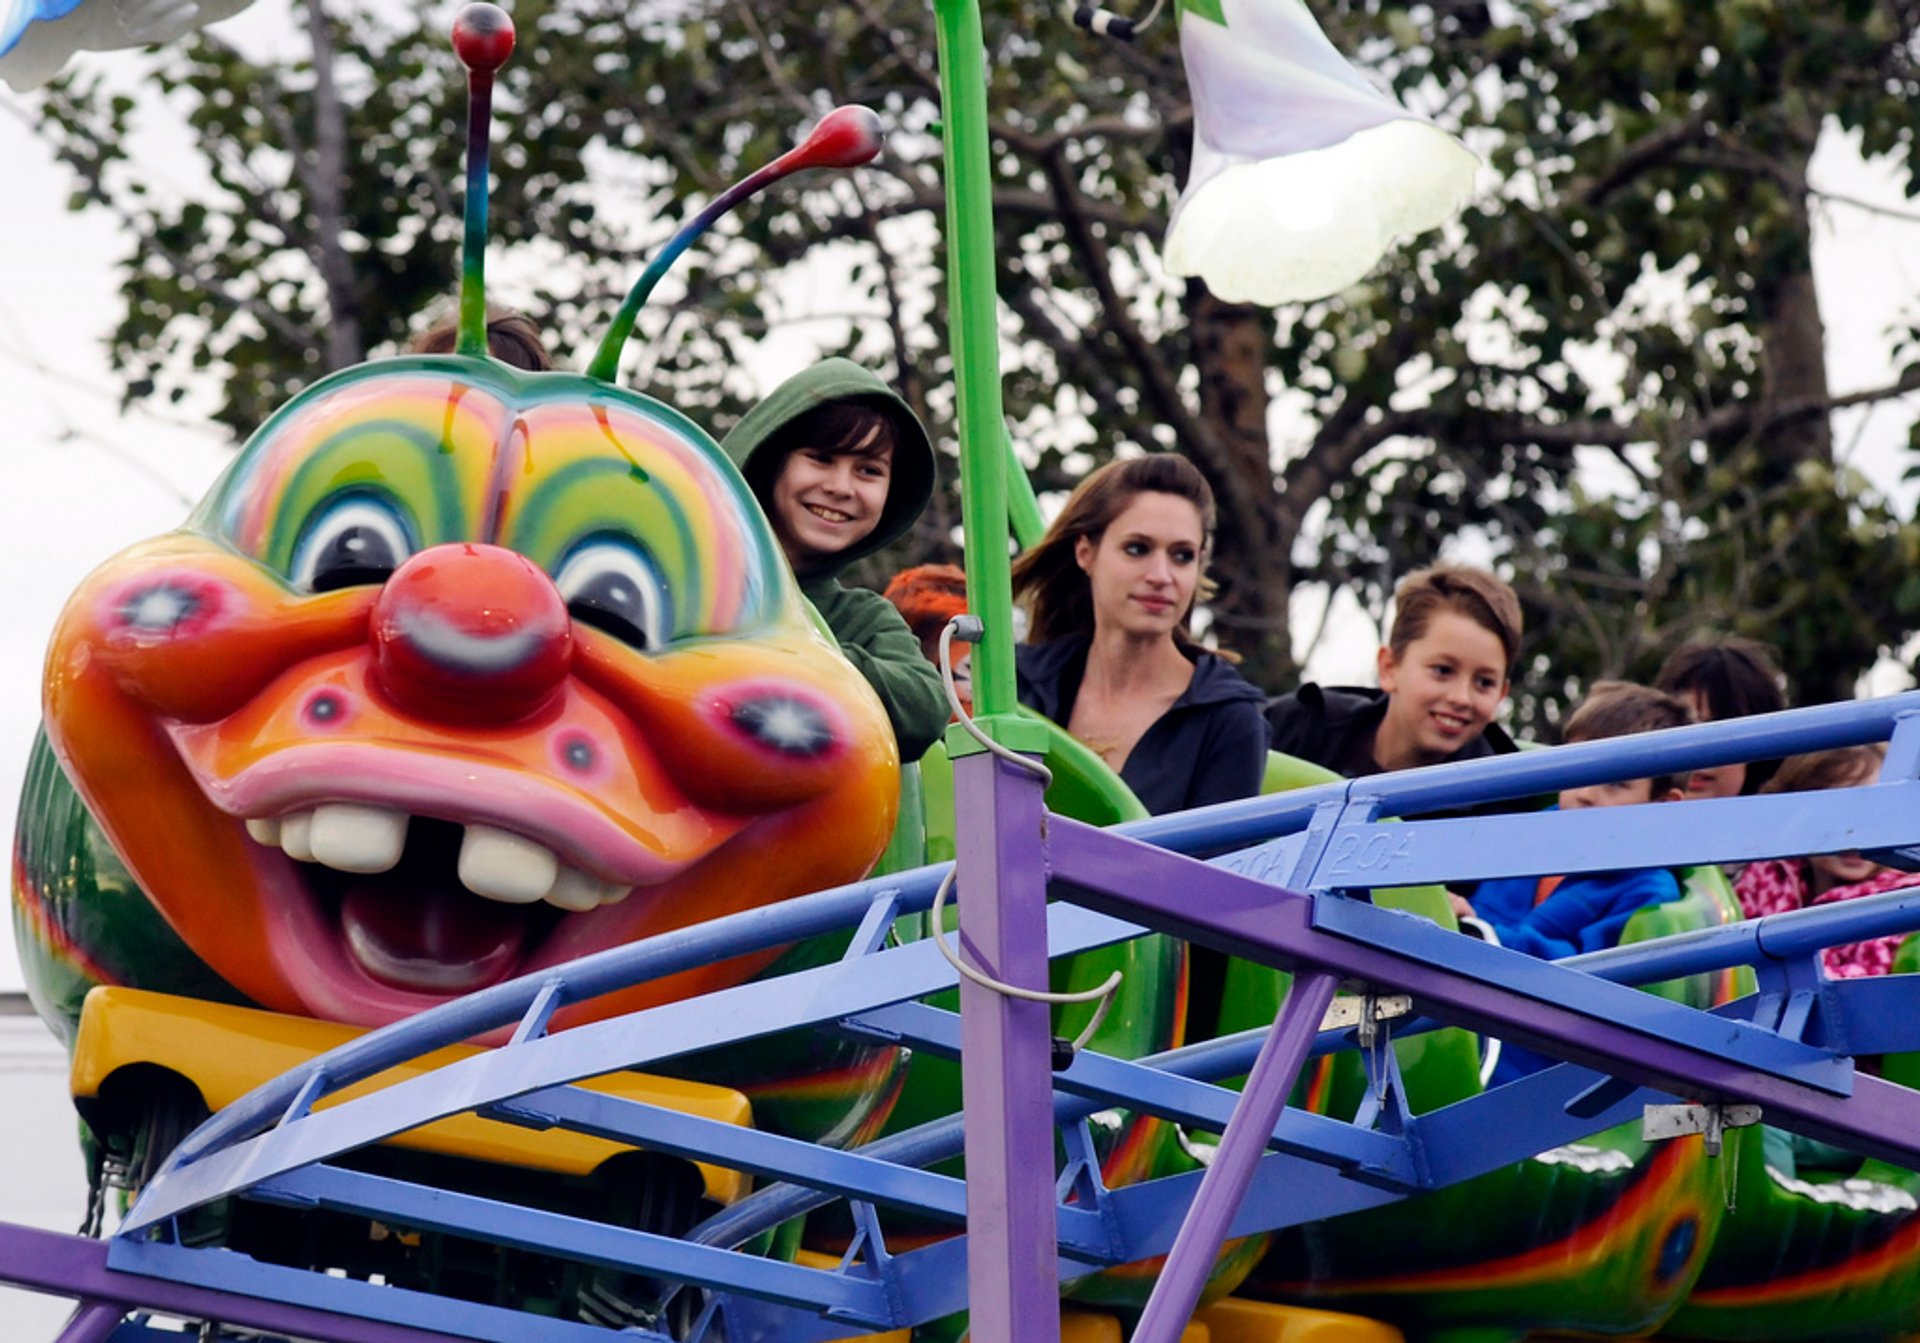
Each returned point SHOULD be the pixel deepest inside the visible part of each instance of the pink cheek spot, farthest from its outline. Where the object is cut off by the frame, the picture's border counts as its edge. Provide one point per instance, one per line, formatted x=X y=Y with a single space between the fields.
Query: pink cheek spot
x=576 y=754
x=324 y=710
x=165 y=606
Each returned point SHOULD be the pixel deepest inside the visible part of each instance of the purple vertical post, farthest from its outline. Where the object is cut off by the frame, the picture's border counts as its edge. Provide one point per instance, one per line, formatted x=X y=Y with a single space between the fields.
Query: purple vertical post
x=1006 y=1067
x=1241 y=1147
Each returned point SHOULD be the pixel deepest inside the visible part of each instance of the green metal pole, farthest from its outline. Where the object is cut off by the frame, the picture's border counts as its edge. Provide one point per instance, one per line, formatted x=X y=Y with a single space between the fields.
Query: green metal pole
x=1013 y=1284
x=975 y=340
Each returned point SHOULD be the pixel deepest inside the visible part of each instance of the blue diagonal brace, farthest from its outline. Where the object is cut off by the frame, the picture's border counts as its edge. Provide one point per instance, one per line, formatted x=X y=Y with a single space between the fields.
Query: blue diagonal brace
x=844 y=1298
x=250 y=1295
x=1373 y=1157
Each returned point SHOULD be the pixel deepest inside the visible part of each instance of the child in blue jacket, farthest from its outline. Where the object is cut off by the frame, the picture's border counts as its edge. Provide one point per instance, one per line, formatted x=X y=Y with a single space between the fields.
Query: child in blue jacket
x=1552 y=917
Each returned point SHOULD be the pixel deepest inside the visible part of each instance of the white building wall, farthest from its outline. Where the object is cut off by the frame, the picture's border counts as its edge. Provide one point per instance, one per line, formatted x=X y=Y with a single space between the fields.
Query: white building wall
x=42 y=1181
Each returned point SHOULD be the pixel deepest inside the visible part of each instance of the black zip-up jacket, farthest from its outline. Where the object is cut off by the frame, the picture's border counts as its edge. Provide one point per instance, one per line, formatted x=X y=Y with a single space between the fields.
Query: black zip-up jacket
x=1334 y=726
x=1209 y=746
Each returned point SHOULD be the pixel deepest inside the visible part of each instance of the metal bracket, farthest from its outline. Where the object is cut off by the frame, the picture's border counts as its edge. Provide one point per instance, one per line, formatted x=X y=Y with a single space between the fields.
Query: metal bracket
x=1080 y=1183
x=1350 y=1009
x=1661 y=1122
x=1313 y=844
x=875 y=926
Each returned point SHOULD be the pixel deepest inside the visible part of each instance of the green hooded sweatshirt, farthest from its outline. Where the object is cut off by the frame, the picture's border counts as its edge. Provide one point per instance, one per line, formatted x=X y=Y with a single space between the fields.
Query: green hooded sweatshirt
x=872 y=634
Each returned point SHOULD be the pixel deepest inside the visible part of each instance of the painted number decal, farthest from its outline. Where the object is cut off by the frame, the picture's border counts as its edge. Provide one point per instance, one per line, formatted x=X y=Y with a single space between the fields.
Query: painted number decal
x=1360 y=852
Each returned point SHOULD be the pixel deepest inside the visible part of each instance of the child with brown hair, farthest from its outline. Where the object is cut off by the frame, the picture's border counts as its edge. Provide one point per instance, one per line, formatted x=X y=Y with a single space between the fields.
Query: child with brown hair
x=1443 y=674
x=928 y=597
x=1776 y=885
x=842 y=466
x=1722 y=676
x=512 y=338
x=1559 y=916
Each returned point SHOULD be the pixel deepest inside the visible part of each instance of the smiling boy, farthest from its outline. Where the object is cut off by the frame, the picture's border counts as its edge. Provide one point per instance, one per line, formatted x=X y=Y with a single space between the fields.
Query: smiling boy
x=842 y=466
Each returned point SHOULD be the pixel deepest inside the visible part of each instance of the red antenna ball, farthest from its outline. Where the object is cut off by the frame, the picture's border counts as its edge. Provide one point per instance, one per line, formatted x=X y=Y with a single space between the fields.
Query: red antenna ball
x=483 y=37
x=845 y=138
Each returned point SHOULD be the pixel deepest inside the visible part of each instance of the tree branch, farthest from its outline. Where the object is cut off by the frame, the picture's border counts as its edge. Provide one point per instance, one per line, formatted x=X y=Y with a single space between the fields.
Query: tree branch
x=1731 y=157
x=147 y=238
x=1859 y=203
x=324 y=171
x=1085 y=367
x=1332 y=456
x=1642 y=156
x=1163 y=390
x=767 y=62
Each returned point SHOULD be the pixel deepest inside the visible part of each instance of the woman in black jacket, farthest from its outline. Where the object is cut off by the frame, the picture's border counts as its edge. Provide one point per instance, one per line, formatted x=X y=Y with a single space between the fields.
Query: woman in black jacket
x=1109 y=593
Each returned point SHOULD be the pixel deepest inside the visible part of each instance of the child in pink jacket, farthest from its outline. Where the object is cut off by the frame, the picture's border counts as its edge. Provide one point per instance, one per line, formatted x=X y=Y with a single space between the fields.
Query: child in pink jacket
x=1780 y=884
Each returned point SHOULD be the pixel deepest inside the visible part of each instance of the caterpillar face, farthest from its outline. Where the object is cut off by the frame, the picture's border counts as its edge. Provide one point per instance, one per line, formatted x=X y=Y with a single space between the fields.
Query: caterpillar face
x=459 y=673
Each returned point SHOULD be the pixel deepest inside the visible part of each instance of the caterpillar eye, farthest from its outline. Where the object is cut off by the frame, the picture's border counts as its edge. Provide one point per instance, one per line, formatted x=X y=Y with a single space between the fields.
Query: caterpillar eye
x=611 y=586
x=354 y=542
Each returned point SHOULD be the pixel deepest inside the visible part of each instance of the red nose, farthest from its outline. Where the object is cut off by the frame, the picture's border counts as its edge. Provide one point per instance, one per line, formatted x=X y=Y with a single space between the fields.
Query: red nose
x=471 y=633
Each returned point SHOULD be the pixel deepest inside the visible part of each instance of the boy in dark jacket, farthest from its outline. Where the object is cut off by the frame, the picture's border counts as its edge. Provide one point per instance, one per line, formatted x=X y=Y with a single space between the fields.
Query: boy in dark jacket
x=842 y=467
x=1443 y=675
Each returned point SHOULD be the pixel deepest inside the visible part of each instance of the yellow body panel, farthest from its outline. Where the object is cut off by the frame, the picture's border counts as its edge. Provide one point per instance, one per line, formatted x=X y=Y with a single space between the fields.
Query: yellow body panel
x=228 y=1051
x=1234 y=1320
x=1077 y=1326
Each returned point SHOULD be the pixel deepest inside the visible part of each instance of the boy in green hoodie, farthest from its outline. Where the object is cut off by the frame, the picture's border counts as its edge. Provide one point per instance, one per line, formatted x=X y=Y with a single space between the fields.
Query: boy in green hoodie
x=842 y=466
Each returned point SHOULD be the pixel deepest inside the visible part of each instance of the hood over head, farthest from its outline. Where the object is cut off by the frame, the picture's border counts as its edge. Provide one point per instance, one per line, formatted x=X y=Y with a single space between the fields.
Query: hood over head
x=835 y=380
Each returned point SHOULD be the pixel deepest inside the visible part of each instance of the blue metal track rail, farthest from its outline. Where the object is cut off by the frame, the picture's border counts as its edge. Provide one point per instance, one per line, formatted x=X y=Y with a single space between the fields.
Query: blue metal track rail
x=1281 y=880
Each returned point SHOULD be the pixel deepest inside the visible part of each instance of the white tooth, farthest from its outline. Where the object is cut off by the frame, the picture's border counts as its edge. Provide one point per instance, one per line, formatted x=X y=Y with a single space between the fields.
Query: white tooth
x=356 y=838
x=578 y=891
x=296 y=836
x=504 y=866
x=265 y=830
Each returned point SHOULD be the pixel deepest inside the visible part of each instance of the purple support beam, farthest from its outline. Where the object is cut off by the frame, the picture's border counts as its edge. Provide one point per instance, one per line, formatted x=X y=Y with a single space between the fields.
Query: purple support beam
x=1006 y=1059
x=1539 y=1004
x=76 y=1266
x=92 y=1322
x=1242 y=1145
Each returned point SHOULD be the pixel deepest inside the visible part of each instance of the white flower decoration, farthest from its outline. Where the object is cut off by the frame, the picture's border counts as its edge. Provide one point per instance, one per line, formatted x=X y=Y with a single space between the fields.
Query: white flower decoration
x=1304 y=173
x=37 y=36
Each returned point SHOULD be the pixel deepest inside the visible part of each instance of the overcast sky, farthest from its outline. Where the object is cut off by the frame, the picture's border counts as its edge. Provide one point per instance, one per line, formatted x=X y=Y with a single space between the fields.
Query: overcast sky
x=87 y=480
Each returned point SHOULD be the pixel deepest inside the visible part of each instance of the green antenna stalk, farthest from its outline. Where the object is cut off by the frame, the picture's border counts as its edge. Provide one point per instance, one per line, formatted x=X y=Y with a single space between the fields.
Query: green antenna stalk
x=482 y=39
x=844 y=138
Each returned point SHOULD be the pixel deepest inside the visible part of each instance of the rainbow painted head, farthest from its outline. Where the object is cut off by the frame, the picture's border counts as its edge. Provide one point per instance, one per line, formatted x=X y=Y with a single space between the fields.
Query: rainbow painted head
x=458 y=673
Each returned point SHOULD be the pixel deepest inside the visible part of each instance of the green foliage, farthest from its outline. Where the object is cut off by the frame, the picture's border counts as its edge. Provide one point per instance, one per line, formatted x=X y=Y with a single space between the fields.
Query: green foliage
x=1609 y=376
x=1636 y=296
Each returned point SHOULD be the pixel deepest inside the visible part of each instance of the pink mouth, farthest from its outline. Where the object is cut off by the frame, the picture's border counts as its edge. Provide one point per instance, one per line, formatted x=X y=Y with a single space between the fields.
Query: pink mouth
x=466 y=792
x=448 y=907
x=370 y=951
